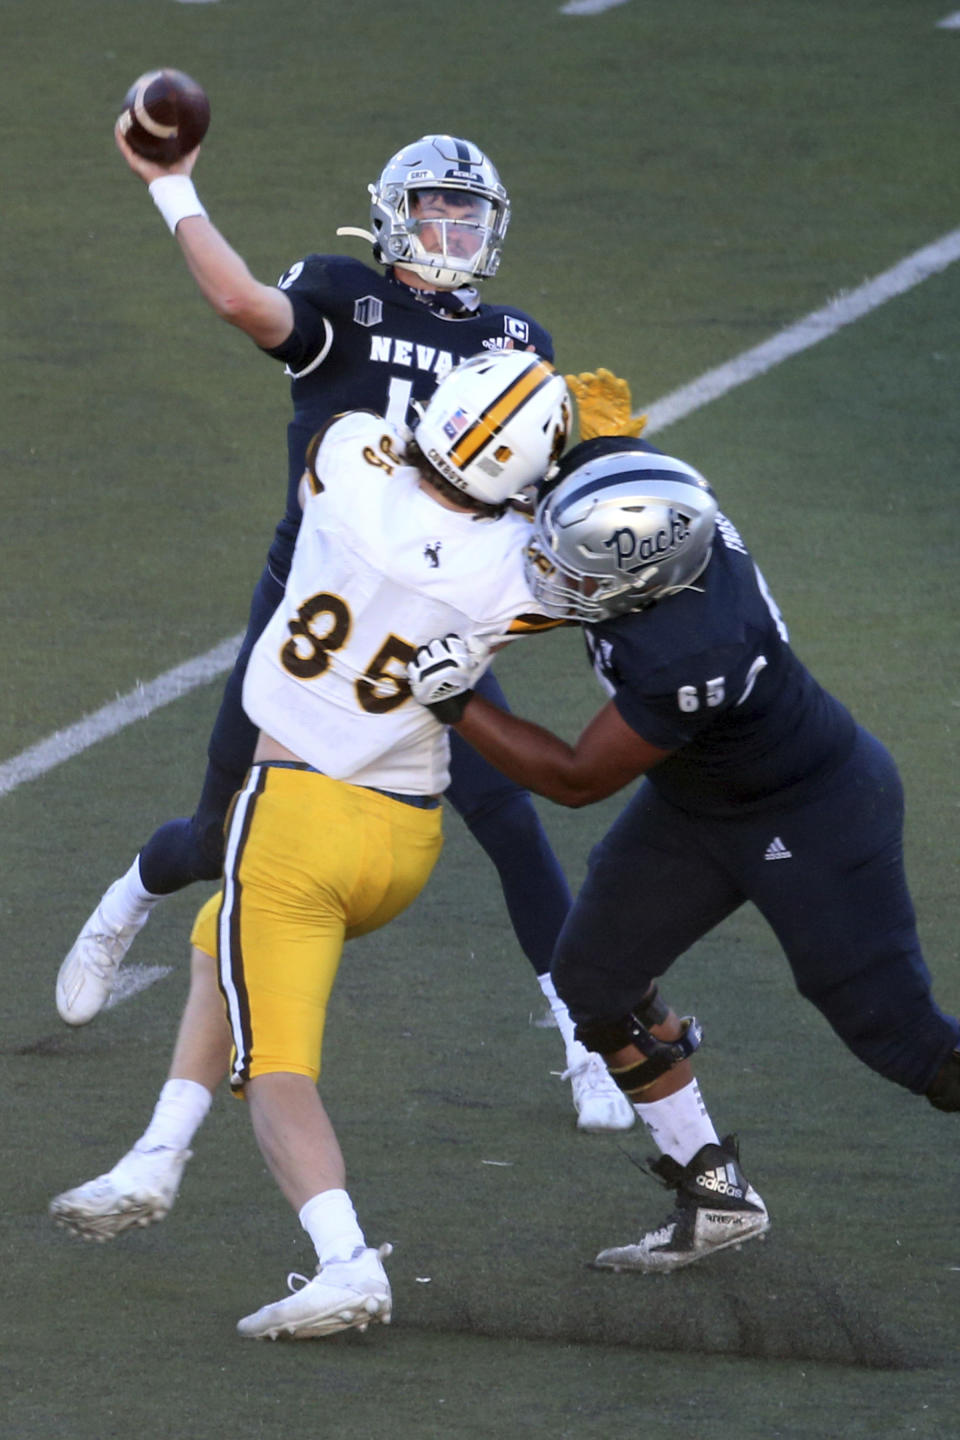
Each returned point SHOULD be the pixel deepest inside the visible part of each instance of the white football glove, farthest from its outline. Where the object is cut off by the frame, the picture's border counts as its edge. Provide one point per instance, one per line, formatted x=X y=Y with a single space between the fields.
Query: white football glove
x=442 y=674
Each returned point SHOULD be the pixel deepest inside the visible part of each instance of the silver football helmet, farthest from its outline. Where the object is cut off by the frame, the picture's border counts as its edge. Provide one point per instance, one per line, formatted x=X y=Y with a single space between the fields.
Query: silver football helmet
x=617 y=533
x=495 y=424
x=440 y=210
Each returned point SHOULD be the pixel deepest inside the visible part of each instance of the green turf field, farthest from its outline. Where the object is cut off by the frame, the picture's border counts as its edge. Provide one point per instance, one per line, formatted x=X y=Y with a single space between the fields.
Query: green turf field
x=688 y=179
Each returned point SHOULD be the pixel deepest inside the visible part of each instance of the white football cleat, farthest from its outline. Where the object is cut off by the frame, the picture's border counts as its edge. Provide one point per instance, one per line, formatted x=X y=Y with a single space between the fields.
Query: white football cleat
x=600 y=1104
x=343 y=1295
x=139 y=1190
x=716 y=1207
x=87 y=975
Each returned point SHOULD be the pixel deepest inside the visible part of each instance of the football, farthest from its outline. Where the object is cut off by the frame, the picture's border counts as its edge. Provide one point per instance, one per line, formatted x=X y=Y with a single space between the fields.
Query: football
x=165 y=115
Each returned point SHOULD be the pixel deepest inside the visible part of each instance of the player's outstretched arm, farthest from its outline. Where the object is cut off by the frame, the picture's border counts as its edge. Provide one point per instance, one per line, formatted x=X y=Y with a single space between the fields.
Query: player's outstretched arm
x=607 y=756
x=261 y=311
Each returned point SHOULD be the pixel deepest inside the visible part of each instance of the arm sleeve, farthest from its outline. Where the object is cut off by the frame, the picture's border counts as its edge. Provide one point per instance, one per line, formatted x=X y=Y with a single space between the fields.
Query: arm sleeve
x=311 y=291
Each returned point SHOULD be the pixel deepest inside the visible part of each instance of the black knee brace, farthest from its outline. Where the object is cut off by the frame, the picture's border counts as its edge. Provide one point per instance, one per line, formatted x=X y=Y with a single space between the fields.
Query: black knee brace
x=609 y=1036
x=944 y=1093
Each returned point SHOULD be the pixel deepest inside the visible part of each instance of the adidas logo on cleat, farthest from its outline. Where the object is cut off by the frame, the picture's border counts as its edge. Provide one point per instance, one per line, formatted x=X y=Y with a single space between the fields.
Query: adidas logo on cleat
x=696 y=1228
x=722 y=1181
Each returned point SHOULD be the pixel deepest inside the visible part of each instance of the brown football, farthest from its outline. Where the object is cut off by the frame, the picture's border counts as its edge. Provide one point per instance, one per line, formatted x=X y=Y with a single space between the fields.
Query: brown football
x=165 y=115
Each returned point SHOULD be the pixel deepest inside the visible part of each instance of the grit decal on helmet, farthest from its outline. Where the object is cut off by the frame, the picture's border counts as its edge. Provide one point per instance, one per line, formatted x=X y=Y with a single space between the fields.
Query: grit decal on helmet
x=618 y=532
x=440 y=210
x=496 y=424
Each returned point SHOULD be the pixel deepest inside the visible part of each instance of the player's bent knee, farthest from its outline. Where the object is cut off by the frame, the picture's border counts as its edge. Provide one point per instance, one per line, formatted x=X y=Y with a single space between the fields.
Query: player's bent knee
x=209 y=850
x=607 y=1037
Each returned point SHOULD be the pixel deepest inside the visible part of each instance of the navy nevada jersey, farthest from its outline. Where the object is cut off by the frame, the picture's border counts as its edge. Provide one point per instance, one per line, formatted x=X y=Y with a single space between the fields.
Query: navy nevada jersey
x=709 y=675
x=364 y=341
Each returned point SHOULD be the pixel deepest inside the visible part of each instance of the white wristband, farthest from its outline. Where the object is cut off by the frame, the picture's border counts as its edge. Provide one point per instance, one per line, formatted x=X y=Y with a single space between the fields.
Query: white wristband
x=176 y=199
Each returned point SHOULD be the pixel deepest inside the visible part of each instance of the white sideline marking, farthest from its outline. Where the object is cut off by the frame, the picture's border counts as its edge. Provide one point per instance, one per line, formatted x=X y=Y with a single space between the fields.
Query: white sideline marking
x=131 y=979
x=949 y=22
x=137 y=704
x=589 y=7
x=842 y=310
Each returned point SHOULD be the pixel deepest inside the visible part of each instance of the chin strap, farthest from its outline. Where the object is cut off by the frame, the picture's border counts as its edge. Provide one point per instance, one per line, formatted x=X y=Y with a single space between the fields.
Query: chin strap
x=353 y=230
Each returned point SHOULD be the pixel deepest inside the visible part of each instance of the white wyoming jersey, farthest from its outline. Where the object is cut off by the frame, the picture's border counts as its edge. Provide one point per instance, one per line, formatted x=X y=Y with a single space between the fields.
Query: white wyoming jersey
x=379 y=569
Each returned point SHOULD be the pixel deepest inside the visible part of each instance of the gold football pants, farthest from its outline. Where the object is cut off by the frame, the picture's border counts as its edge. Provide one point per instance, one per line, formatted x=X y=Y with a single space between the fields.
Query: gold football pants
x=310 y=862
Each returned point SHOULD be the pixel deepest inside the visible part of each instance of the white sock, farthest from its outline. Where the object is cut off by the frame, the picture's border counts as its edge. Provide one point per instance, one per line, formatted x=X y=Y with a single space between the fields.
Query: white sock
x=575 y=1051
x=177 y=1116
x=127 y=902
x=680 y=1124
x=331 y=1222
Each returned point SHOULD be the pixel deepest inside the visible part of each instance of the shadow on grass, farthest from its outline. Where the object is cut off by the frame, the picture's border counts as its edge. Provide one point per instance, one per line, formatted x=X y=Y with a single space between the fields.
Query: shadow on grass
x=764 y=1304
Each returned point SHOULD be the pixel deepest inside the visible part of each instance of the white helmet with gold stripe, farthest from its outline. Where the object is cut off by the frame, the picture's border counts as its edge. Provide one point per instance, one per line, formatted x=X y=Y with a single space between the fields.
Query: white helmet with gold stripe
x=496 y=424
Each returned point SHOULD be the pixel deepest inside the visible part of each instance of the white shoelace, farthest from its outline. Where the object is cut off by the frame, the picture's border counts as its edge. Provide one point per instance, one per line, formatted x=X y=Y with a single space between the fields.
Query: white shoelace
x=592 y=1073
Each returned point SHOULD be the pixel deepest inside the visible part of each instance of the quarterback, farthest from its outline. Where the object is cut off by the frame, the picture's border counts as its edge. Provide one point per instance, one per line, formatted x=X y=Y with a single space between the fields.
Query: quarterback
x=351 y=337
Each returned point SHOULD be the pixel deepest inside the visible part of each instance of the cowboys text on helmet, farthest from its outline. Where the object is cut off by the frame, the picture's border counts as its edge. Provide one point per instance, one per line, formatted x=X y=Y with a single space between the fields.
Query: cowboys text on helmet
x=496 y=424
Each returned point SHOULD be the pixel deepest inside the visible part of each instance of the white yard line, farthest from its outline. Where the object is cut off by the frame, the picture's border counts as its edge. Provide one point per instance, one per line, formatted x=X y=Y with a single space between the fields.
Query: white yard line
x=137 y=704
x=134 y=978
x=589 y=7
x=597 y=7
x=843 y=310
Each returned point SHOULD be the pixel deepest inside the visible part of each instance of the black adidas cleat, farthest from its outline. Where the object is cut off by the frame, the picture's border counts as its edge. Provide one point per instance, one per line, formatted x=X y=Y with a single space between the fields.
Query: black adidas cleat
x=716 y=1207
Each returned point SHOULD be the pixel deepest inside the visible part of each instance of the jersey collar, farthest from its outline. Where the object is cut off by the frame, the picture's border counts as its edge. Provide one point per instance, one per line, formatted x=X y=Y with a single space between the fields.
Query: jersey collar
x=465 y=301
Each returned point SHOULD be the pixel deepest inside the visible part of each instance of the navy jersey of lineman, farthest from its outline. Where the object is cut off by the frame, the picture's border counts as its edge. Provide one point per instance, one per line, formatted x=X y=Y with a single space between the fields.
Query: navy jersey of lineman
x=709 y=675
x=364 y=341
